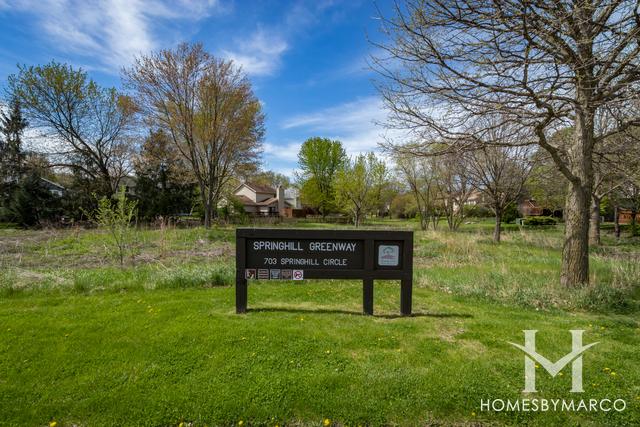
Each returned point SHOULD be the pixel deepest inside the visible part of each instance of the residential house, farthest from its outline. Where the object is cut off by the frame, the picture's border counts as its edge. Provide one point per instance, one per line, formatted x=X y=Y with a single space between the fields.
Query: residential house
x=624 y=216
x=53 y=187
x=474 y=198
x=263 y=200
x=529 y=207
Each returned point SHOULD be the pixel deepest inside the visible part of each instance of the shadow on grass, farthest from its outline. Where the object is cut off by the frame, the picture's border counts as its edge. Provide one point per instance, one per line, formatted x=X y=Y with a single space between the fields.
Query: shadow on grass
x=338 y=311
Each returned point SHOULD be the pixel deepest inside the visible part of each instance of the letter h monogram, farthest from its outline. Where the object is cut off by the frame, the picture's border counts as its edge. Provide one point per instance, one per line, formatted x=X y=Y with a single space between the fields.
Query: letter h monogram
x=574 y=357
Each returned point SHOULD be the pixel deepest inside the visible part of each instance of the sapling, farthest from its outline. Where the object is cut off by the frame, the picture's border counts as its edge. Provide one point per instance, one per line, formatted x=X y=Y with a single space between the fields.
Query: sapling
x=117 y=216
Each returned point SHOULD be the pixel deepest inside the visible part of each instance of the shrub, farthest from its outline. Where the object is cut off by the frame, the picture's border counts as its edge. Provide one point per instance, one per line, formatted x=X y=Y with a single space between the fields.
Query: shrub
x=117 y=219
x=478 y=211
x=510 y=213
x=539 y=220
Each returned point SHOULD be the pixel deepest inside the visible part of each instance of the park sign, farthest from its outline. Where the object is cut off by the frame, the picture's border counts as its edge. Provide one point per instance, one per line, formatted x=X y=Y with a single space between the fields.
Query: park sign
x=292 y=254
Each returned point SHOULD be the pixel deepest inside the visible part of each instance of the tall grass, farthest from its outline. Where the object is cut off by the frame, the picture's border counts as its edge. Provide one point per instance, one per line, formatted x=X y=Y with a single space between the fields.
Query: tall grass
x=523 y=270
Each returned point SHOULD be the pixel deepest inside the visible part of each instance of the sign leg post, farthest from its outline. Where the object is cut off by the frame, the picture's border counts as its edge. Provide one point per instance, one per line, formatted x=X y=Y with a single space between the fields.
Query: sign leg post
x=405 y=297
x=367 y=296
x=241 y=295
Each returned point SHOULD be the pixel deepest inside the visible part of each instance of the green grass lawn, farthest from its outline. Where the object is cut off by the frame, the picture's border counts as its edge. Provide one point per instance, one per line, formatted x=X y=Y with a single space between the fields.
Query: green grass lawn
x=158 y=342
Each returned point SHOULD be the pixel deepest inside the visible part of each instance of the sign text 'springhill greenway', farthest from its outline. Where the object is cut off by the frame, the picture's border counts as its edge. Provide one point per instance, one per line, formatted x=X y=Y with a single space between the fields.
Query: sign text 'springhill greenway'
x=280 y=254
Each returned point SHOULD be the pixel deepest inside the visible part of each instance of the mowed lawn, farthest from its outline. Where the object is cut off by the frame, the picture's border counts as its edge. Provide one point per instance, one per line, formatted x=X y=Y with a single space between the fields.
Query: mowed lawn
x=158 y=342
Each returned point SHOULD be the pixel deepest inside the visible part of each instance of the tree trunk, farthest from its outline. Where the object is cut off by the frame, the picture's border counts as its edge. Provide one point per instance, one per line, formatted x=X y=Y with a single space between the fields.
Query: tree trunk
x=575 y=253
x=594 y=224
x=616 y=222
x=424 y=219
x=207 y=216
x=496 y=228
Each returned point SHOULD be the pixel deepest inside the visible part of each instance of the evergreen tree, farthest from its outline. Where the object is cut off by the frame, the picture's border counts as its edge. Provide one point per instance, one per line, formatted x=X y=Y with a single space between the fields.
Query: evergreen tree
x=164 y=187
x=31 y=202
x=12 y=125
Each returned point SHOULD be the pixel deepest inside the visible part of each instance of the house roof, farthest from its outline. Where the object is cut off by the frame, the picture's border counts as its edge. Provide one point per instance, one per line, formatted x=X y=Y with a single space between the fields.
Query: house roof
x=268 y=202
x=258 y=188
x=248 y=202
x=53 y=184
x=530 y=202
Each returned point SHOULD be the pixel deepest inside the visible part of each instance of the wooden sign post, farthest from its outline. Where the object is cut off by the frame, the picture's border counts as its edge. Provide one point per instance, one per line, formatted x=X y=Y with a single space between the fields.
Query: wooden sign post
x=280 y=254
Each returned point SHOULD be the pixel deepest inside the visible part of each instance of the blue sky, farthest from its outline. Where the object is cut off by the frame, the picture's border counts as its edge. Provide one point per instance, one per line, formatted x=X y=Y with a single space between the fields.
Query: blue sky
x=306 y=59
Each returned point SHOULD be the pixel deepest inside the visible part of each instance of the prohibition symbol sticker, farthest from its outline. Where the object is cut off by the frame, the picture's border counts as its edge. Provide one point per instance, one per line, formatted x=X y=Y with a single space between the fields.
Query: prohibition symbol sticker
x=298 y=274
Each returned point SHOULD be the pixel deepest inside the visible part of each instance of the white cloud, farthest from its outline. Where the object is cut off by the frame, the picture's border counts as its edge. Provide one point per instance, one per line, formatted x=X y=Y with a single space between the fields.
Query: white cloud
x=287 y=152
x=109 y=32
x=354 y=123
x=281 y=157
x=260 y=54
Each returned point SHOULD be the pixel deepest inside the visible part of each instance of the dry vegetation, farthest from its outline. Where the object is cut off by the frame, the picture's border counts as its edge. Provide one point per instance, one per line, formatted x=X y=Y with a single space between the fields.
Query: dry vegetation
x=523 y=270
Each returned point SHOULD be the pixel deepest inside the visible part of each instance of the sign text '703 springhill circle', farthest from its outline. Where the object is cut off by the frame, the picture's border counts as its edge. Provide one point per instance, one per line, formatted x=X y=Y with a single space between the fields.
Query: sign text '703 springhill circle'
x=280 y=254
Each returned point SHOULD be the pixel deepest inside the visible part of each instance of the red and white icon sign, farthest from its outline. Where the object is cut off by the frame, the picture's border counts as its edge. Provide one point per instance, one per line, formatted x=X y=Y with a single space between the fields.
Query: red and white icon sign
x=298 y=274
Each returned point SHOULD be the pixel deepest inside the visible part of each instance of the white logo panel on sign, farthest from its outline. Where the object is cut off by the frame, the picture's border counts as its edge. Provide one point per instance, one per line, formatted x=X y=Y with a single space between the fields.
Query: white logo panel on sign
x=389 y=255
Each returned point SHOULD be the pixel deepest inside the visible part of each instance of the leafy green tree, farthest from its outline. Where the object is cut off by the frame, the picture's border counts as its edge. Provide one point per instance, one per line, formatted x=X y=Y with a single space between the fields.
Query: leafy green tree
x=319 y=160
x=270 y=178
x=208 y=107
x=403 y=205
x=359 y=184
x=88 y=124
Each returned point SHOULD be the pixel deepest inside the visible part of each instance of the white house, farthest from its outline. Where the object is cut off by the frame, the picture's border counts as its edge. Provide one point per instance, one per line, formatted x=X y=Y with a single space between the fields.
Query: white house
x=266 y=201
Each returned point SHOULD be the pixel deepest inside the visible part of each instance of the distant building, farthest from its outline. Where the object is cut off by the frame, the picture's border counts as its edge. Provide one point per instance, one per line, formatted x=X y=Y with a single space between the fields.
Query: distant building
x=130 y=183
x=53 y=187
x=263 y=200
x=624 y=216
x=529 y=207
x=475 y=198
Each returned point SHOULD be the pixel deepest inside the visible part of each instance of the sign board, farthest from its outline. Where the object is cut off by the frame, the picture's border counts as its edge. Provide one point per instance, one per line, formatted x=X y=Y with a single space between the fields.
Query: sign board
x=281 y=254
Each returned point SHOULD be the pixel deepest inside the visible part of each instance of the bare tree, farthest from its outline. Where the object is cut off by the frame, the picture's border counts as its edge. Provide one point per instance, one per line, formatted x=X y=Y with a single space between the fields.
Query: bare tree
x=629 y=189
x=607 y=178
x=499 y=173
x=86 y=126
x=546 y=184
x=208 y=108
x=420 y=174
x=455 y=185
x=543 y=65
